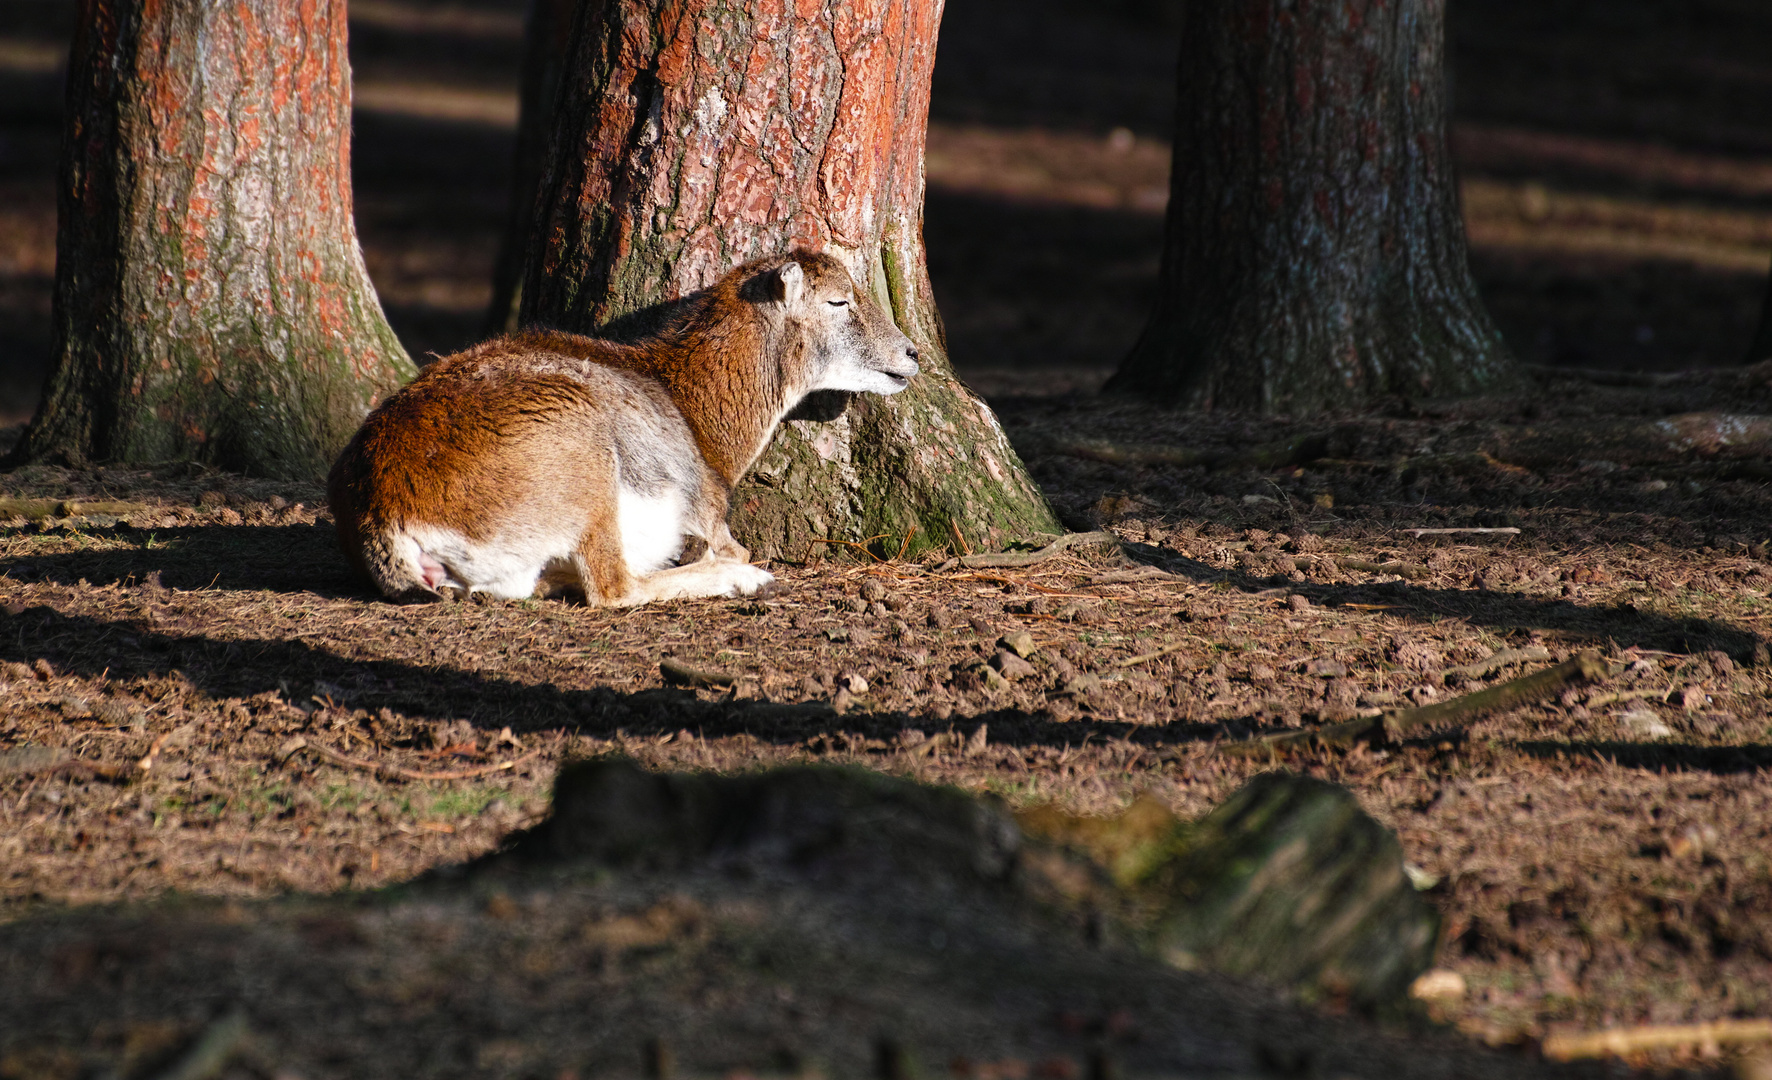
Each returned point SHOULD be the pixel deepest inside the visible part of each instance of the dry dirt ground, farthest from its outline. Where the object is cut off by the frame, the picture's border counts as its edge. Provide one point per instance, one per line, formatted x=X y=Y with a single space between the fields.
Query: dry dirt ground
x=1601 y=859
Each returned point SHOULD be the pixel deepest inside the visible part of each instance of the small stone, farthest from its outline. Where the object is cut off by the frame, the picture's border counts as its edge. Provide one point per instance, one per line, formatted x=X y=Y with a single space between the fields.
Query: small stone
x=843 y=701
x=1641 y=720
x=878 y=610
x=983 y=626
x=1297 y=602
x=1021 y=643
x=939 y=618
x=1438 y=984
x=1261 y=673
x=853 y=683
x=854 y=605
x=42 y=669
x=873 y=590
x=1011 y=666
x=1693 y=698
x=993 y=679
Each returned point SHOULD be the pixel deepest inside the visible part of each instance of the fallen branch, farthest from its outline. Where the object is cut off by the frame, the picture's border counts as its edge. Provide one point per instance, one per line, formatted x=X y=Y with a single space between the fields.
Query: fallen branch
x=1496 y=661
x=1408 y=570
x=676 y=671
x=38 y=509
x=1275 y=455
x=1619 y=1042
x=1003 y=559
x=1419 y=533
x=33 y=760
x=1392 y=726
x=392 y=772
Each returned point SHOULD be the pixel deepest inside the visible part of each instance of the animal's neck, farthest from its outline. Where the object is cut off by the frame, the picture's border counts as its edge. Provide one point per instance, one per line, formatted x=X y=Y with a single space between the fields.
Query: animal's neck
x=730 y=392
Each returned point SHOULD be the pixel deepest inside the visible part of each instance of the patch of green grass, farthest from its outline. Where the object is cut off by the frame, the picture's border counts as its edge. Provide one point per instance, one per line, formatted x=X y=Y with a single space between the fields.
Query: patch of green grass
x=464 y=802
x=343 y=797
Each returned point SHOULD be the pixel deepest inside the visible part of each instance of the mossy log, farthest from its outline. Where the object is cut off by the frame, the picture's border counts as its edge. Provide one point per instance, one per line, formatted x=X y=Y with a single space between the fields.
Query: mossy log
x=1291 y=882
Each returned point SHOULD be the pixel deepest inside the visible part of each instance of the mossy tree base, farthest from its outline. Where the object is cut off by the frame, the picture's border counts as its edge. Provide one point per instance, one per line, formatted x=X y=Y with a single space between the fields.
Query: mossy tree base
x=211 y=302
x=694 y=137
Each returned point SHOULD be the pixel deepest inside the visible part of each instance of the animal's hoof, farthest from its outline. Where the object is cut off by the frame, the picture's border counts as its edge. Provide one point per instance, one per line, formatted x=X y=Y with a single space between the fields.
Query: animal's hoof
x=767 y=589
x=748 y=580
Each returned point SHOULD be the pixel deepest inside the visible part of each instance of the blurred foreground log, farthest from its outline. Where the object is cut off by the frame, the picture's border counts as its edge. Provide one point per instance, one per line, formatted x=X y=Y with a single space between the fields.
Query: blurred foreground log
x=1291 y=882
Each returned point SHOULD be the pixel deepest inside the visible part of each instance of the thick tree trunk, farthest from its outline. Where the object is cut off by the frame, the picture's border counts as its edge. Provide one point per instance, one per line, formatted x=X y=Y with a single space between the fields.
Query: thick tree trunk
x=1761 y=349
x=210 y=298
x=1315 y=256
x=547 y=31
x=695 y=135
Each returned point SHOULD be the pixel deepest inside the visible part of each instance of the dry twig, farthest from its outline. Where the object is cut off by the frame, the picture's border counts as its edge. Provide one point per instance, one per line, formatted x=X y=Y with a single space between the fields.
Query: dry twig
x=676 y=671
x=1419 y=533
x=38 y=509
x=1408 y=570
x=393 y=772
x=1004 y=559
x=1619 y=1042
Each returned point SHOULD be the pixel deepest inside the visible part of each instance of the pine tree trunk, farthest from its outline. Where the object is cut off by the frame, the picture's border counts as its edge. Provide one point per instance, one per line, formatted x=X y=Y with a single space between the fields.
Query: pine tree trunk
x=211 y=302
x=1761 y=349
x=1315 y=255
x=547 y=30
x=696 y=135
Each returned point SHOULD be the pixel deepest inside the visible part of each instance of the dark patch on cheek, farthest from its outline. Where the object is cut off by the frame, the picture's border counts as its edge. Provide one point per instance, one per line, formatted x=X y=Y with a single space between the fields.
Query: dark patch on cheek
x=822 y=406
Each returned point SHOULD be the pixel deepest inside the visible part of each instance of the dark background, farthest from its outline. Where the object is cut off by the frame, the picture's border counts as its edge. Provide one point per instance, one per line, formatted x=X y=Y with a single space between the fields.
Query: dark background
x=1619 y=156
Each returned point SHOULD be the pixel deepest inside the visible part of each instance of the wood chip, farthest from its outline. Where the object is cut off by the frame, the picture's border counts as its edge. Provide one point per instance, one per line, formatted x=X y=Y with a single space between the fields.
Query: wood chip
x=1418 y=533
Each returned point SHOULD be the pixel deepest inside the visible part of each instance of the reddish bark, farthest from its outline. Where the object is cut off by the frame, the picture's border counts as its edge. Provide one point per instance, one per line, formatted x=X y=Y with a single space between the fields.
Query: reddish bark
x=694 y=135
x=210 y=298
x=1315 y=255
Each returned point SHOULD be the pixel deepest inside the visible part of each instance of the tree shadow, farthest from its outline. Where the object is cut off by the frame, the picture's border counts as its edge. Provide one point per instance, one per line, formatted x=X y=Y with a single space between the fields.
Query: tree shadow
x=1685 y=757
x=1622 y=624
x=277 y=558
x=305 y=675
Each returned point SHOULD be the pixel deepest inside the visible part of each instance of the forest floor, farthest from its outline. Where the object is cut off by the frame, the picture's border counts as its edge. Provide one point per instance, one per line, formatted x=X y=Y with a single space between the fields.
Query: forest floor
x=1600 y=860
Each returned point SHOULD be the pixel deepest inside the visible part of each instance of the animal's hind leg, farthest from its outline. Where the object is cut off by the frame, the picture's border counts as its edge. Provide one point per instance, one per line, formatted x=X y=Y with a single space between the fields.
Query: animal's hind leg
x=599 y=564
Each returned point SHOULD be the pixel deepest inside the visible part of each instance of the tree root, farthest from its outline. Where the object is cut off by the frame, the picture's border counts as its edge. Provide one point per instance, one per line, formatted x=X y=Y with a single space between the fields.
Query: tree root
x=1393 y=726
x=1408 y=570
x=1004 y=559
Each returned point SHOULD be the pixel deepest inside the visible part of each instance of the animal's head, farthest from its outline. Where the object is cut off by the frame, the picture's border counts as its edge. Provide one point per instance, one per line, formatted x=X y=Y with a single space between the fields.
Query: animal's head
x=836 y=335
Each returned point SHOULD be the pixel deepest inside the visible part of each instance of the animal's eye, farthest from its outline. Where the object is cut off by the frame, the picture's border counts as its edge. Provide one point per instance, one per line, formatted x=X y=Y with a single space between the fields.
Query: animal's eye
x=838 y=303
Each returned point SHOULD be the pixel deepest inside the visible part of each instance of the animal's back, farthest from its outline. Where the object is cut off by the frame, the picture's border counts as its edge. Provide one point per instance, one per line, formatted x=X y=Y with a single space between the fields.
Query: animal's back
x=497 y=449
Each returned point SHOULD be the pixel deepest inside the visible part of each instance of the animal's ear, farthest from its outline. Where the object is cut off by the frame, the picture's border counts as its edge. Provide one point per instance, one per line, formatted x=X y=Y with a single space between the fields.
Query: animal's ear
x=791 y=282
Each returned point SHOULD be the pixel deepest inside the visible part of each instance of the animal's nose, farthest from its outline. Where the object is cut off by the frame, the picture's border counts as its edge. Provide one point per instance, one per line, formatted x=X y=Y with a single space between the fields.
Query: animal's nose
x=911 y=351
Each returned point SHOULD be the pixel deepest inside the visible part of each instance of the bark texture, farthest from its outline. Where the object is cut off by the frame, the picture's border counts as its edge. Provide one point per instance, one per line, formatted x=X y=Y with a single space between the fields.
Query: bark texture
x=693 y=135
x=211 y=302
x=1761 y=349
x=1315 y=255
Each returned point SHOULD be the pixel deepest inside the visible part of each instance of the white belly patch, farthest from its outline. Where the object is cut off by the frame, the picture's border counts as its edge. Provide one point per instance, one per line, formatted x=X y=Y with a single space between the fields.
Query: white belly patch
x=651 y=528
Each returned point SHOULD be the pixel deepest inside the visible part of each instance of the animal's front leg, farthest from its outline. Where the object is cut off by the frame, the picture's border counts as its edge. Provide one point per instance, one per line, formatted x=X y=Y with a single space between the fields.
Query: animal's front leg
x=708 y=576
x=722 y=544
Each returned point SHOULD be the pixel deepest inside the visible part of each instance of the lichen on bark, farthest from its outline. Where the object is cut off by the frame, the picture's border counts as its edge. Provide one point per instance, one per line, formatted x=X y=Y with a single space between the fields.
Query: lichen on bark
x=694 y=135
x=211 y=302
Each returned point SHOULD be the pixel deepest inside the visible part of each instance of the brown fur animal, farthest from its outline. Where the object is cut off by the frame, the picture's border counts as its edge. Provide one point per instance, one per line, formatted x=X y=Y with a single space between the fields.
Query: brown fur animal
x=546 y=462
